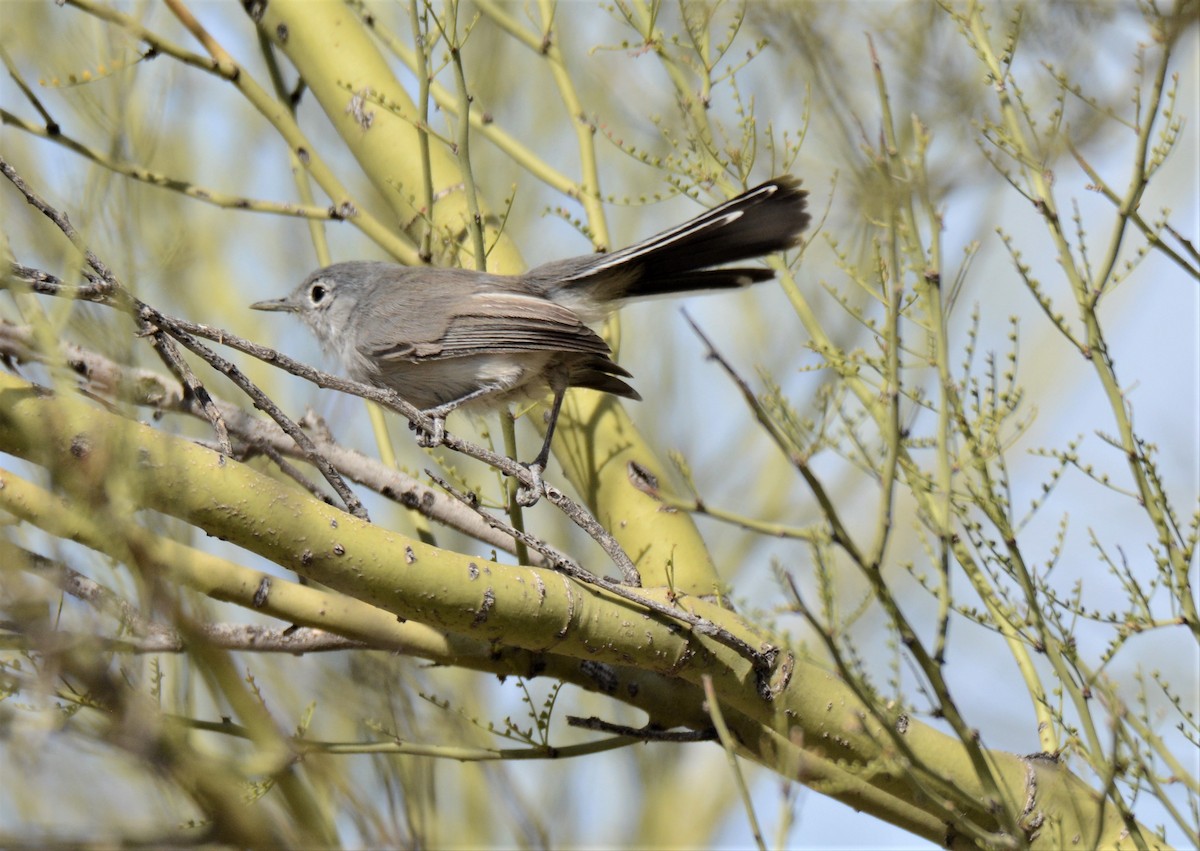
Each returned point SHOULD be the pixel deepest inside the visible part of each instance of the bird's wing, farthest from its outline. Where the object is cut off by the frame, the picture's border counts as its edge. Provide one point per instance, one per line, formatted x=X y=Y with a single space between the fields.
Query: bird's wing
x=499 y=322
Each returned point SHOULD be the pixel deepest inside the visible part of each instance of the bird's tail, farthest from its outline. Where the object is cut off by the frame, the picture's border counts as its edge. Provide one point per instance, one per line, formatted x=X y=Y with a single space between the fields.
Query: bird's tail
x=760 y=221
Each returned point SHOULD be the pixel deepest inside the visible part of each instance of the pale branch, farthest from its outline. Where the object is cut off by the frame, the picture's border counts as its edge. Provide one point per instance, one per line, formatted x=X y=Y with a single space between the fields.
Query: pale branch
x=225 y=636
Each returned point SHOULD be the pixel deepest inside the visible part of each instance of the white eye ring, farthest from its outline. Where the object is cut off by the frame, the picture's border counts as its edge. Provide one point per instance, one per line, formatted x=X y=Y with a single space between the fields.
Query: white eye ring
x=317 y=293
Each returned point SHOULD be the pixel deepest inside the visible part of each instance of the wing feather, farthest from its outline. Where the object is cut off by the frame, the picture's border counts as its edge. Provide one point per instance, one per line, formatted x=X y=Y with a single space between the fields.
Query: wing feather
x=499 y=322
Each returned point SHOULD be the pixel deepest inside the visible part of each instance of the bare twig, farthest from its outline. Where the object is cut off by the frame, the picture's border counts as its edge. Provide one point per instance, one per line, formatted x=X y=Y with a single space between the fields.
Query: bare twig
x=263 y=402
x=107 y=285
x=730 y=745
x=554 y=558
x=646 y=734
x=838 y=530
x=288 y=469
x=168 y=352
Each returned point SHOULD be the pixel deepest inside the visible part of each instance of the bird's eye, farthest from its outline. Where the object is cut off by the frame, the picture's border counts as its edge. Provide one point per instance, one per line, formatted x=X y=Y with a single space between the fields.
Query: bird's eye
x=318 y=293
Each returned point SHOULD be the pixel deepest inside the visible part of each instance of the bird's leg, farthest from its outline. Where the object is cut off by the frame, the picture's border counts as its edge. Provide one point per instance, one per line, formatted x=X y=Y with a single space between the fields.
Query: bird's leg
x=528 y=496
x=432 y=438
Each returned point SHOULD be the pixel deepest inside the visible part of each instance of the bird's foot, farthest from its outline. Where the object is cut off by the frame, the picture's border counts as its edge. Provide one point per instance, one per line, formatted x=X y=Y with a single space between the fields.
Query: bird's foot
x=433 y=437
x=528 y=495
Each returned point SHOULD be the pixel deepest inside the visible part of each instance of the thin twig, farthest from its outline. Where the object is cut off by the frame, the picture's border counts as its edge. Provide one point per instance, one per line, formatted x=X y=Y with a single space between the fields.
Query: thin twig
x=838 y=530
x=168 y=353
x=107 y=285
x=646 y=734
x=51 y=125
x=729 y=745
x=555 y=558
x=264 y=403
x=289 y=469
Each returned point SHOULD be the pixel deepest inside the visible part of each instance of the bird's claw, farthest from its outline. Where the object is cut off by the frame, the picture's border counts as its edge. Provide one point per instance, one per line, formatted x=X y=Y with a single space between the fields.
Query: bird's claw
x=528 y=495
x=430 y=438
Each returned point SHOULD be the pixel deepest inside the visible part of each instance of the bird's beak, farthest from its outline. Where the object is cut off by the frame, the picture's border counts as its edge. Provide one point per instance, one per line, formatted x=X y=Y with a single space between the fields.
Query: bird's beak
x=278 y=304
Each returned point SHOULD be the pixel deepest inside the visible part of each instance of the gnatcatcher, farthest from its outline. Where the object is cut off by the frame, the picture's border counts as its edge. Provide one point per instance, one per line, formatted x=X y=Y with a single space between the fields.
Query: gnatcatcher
x=443 y=338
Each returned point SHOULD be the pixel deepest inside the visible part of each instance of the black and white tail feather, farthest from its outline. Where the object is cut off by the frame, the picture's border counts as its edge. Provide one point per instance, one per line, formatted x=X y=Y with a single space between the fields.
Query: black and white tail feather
x=762 y=220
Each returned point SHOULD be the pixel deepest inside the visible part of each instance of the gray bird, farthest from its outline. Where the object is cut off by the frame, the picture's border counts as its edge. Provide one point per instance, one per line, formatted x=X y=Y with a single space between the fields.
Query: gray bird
x=445 y=338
